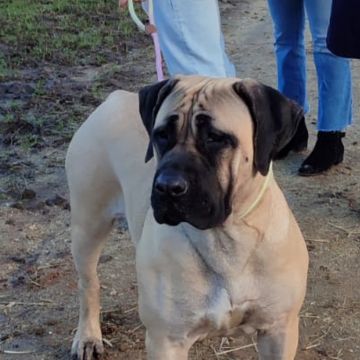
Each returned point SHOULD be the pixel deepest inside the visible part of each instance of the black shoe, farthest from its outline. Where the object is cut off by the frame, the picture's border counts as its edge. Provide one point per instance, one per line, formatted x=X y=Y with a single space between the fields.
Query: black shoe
x=328 y=151
x=298 y=143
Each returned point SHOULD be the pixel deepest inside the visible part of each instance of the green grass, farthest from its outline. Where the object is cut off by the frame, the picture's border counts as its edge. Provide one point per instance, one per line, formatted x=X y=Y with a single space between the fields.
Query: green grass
x=65 y=32
x=43 y=44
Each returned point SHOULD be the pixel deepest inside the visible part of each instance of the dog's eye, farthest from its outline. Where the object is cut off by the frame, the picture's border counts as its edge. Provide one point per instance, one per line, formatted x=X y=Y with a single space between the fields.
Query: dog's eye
x=164 y=138
x=216 y=138
x=161 y=135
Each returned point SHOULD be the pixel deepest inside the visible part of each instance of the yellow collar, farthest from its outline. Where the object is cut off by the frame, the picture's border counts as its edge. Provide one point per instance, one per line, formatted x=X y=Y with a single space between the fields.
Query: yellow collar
x=264 y=187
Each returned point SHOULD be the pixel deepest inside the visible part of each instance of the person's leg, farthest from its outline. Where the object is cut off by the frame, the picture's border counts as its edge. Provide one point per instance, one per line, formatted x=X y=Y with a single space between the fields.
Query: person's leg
x=191 y=39
x=335 y=96
x=333 y=72
x=289 y=21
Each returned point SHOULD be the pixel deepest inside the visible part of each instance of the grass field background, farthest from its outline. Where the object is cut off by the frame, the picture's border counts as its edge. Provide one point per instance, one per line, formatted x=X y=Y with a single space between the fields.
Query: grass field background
x=58 y=59
x=61 y=32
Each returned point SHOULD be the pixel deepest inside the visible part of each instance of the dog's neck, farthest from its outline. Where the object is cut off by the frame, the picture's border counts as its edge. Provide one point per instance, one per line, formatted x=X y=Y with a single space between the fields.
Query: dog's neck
x=239 y=236
x=259 y=196
x=252 y=197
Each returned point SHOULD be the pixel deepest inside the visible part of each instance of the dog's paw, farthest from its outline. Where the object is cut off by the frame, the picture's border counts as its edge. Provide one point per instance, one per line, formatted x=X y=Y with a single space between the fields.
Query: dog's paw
x=89 y=348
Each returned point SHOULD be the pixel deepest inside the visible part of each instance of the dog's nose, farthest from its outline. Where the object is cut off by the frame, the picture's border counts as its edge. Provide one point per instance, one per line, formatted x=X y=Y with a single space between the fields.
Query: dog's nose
x=171 y=184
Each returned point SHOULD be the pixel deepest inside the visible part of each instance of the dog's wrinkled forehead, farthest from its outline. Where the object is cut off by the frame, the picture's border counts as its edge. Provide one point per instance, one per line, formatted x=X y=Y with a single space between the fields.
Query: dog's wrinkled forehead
x=196 y=94
x=233 y=103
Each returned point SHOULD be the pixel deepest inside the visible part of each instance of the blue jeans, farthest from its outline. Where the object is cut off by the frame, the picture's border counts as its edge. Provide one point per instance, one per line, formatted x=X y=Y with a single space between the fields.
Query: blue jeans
x=190 y=37
x=333 y=73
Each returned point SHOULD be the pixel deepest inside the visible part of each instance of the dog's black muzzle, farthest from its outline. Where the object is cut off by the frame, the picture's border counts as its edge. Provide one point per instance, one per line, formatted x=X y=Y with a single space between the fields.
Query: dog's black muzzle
x=186 y=190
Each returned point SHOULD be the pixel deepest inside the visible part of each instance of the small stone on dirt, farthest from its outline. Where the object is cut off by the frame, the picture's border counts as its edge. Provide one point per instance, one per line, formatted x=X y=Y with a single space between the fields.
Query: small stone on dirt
x=28 y=194
x=105 y=258
x=58 y=200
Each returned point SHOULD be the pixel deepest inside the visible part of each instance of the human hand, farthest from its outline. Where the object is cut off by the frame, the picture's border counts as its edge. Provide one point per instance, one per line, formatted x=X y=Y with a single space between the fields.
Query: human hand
x=123 y=3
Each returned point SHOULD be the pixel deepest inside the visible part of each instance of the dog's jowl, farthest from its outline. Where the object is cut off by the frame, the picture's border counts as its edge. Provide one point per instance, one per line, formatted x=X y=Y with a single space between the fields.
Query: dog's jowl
x=218 y=251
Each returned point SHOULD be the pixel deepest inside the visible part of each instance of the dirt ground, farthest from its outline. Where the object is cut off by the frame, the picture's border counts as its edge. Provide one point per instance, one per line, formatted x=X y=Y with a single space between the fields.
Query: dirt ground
x=38 y=296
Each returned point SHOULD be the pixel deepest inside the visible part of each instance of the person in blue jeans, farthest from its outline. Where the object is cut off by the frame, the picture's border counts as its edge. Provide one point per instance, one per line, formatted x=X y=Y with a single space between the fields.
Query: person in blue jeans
x=191 y=39
x=333 y=76
x=190 y=36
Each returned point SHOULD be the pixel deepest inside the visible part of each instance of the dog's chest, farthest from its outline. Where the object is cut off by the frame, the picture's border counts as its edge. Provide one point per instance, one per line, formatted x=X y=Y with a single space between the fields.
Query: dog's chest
x=225 y=314
x=199 y=285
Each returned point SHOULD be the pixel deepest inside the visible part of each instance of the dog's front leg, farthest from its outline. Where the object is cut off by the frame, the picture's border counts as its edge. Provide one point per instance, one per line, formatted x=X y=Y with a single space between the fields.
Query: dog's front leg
x=280 y=342
x=163 y=348
x=87 y=243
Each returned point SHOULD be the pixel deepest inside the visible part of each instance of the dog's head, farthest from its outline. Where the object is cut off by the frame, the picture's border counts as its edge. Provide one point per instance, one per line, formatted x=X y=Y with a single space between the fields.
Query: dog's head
x=210 y=137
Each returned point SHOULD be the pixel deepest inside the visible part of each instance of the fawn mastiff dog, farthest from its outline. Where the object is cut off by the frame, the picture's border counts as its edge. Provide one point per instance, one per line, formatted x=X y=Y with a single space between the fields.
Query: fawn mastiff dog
x=218 y=250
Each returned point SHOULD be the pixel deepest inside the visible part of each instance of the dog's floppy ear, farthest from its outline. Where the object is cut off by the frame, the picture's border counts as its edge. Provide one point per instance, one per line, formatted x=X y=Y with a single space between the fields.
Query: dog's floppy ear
x=276 y=119
x=150 y=99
